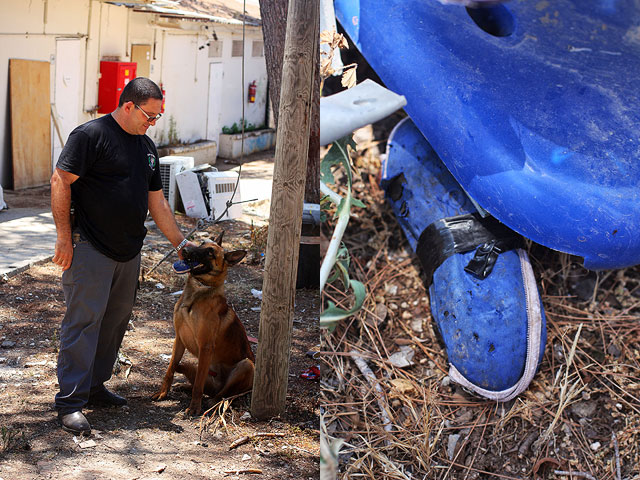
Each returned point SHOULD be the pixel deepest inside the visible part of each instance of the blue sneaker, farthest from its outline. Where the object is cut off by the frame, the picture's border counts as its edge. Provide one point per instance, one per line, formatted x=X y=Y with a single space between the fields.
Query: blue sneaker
x=181 y=267
x=483 y=293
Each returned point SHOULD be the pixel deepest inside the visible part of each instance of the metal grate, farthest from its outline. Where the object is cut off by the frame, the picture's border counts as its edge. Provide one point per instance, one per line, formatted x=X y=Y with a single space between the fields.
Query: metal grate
x=215 y=48
x=165 y=176
x=257 y=49
x=236 y=48
x=224 y=187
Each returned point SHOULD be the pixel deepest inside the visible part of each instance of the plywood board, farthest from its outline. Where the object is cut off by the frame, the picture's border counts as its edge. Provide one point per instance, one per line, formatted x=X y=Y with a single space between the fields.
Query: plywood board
x=30 y=122
x=141 y=54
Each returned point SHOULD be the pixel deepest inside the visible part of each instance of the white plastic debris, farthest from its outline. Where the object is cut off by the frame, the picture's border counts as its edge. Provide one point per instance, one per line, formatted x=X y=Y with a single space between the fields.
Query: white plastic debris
x=344 y=112
x=160 y=286
x=36 y=364
x=87 y=444
x=256 y=293
x=3 y=205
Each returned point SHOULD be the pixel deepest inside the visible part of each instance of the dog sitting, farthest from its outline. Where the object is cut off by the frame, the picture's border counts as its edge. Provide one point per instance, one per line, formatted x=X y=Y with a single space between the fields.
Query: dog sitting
x=209 y=328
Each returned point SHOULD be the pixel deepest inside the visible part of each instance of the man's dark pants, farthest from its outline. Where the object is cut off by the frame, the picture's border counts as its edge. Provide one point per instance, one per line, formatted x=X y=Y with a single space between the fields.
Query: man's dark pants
x=99 y=293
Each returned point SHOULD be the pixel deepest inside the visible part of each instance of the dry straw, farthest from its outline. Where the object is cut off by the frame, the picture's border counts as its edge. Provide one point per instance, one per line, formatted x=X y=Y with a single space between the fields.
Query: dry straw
x=579 y=418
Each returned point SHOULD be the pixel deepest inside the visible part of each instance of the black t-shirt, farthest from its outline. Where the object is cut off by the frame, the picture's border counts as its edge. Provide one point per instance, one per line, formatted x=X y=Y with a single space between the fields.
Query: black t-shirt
x=117 y=170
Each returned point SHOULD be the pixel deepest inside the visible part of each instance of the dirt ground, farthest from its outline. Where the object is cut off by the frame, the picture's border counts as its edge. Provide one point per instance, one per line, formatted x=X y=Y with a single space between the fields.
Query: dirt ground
x=148 y=440
x=580 y=417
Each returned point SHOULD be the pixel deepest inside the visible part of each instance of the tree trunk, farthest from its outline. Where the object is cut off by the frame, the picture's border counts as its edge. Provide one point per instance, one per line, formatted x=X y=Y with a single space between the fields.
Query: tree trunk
x=274 y=24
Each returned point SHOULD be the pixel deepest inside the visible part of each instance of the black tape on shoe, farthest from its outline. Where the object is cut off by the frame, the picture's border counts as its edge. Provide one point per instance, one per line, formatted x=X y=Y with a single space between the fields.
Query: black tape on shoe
x=461 y=234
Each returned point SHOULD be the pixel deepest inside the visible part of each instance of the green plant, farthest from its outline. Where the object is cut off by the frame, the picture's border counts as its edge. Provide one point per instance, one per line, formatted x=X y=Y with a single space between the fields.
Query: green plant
x=173 y=131
x=258 y=236
x=11 y=439
x=337 y=257
x=160 y=137
x=235 y=128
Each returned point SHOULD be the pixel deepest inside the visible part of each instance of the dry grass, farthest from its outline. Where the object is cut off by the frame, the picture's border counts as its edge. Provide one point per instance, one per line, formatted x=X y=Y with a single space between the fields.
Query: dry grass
x=410 y=423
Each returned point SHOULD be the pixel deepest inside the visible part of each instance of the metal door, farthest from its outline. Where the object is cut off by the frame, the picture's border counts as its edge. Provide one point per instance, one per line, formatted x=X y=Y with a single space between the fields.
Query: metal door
x=68 y=90
x=215 y=100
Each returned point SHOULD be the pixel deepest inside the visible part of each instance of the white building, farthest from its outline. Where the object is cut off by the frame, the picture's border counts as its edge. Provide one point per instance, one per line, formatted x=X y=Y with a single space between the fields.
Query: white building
x=196 y=55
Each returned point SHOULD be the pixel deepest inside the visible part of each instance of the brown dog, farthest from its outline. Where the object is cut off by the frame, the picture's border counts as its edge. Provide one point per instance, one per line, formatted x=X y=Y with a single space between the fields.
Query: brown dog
x=209 y=328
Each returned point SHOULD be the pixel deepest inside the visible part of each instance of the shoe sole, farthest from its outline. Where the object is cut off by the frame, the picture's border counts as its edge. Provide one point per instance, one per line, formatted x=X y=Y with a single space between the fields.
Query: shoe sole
x=85 y=433
x=100 y=403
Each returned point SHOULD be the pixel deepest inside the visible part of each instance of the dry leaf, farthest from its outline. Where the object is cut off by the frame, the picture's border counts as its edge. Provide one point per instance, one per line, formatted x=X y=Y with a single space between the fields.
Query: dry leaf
x=326 y=36
x=381 y=312
x=342 y=42
x=325 y=67
x=349 y=78
x=403 y=357
x=402 y=386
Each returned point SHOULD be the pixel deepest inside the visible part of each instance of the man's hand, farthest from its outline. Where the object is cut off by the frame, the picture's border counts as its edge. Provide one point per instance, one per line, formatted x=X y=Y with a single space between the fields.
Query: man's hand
x=63 y=253
x=188 y=244
x=60 y=207
x=166 y=222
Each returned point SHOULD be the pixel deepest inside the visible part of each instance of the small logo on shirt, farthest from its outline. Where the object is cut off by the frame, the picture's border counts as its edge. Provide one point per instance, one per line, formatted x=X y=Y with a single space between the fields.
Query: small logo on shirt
x=152 y=160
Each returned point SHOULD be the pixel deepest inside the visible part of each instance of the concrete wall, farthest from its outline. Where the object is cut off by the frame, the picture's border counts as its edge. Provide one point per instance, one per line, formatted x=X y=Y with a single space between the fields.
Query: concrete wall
x=185 y=77
x=179 y=61
x=255 y=69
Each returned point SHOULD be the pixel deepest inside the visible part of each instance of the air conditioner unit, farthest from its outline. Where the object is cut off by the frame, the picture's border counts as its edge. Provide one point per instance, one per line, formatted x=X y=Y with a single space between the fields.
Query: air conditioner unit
x=193 y=190
x=170 y=166
x=221 y=186
x=205 y=193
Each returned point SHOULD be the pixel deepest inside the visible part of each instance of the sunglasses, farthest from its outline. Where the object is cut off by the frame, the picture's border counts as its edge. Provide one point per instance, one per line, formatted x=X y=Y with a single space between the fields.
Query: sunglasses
x=149 y=117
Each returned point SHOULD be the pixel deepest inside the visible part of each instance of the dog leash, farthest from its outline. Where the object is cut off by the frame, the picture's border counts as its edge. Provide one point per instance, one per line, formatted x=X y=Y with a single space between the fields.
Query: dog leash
x=199 y=225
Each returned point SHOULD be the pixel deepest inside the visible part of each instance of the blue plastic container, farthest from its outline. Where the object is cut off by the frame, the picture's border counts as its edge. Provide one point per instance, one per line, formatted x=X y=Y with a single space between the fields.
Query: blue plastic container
x=534 y=107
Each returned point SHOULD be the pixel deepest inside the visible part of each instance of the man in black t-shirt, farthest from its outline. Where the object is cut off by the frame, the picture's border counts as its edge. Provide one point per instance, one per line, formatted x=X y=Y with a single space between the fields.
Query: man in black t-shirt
x=109 y=171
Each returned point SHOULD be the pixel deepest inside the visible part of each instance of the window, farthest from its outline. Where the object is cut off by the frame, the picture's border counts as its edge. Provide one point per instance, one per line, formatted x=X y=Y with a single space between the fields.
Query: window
x=236 y=50
x=257 y=49
x=215 y=48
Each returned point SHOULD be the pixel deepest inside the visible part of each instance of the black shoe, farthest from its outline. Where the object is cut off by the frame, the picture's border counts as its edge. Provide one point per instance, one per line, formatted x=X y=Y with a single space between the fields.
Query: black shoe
x=75 y=423
x=104 y=397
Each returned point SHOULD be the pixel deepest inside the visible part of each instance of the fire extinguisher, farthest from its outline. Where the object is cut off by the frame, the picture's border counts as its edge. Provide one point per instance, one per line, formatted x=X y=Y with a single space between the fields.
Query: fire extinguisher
x=163 y=98
x=252 y=92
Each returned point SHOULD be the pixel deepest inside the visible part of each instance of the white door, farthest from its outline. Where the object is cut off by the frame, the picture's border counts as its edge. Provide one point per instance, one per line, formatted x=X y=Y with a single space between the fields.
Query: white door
x=68 y=90
x=215 y=100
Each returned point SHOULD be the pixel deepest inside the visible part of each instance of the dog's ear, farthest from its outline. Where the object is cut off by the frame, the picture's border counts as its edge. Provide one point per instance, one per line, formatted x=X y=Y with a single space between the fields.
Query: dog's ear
x=219 y=239
x=234 y=257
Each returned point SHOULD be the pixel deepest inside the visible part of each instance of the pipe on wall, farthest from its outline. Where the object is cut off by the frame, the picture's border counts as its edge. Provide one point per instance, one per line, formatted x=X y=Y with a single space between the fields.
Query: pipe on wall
x=86 y=63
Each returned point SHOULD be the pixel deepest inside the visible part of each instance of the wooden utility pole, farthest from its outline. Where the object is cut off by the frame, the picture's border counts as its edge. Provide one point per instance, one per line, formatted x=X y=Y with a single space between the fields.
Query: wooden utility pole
x=285 y=218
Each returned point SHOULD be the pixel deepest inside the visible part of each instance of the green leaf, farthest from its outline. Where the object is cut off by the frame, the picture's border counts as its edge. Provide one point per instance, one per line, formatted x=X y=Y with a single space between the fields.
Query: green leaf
x=343 y=269
x=357 y=203
x=344 y=207
x=338 y=154
x=332 y=314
